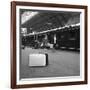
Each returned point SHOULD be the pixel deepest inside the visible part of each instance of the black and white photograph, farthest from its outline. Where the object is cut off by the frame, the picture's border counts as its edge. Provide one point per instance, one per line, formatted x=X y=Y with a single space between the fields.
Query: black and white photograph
x=51 y=33
x=49 y=42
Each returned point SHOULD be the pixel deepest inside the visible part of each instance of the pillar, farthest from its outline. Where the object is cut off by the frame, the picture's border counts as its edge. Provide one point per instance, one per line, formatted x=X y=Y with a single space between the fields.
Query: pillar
x=55 y=38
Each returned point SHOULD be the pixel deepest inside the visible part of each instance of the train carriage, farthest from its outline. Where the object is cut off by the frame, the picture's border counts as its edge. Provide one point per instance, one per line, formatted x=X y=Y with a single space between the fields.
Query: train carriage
x=67 y=37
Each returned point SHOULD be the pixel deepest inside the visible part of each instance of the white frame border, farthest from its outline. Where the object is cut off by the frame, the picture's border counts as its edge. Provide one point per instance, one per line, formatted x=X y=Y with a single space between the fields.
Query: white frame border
x=50 y=79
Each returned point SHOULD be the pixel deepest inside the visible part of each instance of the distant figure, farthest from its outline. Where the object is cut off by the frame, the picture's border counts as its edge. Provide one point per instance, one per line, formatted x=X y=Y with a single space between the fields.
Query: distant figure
x=44 y=43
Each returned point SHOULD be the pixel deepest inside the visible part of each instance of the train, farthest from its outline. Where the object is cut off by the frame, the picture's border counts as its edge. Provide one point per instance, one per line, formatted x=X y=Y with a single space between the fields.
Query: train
x=66 y=38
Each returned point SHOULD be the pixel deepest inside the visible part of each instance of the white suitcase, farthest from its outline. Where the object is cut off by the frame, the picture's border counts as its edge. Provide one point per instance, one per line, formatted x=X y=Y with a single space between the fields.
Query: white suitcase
x=37 y=59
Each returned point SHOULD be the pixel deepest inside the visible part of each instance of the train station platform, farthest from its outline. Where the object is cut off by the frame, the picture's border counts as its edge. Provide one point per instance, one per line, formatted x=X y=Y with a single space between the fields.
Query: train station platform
x=60 y=63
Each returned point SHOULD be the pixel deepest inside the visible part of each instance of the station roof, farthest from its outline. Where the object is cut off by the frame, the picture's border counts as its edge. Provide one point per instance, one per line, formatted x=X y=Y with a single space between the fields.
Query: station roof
x=46 y=20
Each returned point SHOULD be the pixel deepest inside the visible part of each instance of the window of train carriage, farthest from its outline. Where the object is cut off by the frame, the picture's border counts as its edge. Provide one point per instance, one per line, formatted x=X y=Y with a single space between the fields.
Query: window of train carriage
x=72 y=35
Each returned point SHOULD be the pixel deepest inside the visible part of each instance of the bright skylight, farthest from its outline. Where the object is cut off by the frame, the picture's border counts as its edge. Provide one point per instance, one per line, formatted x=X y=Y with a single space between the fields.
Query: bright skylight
x=27 y=16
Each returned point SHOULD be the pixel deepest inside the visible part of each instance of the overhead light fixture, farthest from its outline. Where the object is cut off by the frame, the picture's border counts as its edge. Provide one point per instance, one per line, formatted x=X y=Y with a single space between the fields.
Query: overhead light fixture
x=49 y=23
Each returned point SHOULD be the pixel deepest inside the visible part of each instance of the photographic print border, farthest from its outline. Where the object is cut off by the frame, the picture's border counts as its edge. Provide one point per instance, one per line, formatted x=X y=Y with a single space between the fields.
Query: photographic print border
x=13 y=45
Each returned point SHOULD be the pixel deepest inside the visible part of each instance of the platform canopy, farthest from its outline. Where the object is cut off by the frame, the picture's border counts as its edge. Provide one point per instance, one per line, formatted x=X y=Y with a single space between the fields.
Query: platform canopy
x=45 y=20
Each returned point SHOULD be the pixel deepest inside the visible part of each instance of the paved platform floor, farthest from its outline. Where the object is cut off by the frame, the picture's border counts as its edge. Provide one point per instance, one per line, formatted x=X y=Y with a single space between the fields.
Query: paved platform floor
x=60 y=63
